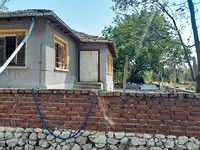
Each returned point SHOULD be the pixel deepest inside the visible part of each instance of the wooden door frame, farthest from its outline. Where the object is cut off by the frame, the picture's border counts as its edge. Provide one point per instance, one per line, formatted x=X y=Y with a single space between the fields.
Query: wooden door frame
x=79 y=62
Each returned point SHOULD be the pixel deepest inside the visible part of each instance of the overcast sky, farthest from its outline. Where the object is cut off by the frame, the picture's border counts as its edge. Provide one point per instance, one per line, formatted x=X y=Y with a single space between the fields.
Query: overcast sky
x=89 y=16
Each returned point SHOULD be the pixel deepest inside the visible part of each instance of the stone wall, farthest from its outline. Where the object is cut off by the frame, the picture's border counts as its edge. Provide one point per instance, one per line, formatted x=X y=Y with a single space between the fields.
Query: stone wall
x=36 y=138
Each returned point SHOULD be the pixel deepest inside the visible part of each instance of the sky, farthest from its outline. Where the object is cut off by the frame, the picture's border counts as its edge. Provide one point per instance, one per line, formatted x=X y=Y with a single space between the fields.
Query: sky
x=88 y=16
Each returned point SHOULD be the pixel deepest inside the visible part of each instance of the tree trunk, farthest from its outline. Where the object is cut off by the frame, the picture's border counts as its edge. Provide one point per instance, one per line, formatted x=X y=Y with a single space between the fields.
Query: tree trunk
x=125 y=72
x=196 y=40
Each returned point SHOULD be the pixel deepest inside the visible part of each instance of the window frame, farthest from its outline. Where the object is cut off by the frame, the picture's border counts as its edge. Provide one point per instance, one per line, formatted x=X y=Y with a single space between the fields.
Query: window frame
x=109 y=64
x=16 y=31
x=63 y=43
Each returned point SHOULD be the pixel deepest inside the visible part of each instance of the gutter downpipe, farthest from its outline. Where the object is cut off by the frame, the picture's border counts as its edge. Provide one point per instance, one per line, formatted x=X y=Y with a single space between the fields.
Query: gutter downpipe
x=19 y=47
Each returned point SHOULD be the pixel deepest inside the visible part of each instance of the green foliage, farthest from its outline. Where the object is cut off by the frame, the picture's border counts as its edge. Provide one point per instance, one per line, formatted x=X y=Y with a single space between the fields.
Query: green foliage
x=156 y=48
x=3 y=5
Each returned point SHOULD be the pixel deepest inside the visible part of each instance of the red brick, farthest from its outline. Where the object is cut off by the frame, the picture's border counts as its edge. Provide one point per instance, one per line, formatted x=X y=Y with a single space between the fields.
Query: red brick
x=178 y=109
x=152 y=103
x=187 y=123
x=193 y=118
x=117 y=94
x=171 y=123
x=142 y=116
x=154 y=122
x=163 y=117
x=142 y=107
x=193 y=109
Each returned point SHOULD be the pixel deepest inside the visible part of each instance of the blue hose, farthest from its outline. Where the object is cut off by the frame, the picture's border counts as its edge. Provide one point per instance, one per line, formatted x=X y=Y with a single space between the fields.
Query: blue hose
x=78 y=131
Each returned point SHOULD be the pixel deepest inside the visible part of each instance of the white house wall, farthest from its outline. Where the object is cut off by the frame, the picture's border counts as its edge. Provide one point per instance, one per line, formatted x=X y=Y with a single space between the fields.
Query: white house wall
x=59 y=79
x=29 y=76
x=104 y=76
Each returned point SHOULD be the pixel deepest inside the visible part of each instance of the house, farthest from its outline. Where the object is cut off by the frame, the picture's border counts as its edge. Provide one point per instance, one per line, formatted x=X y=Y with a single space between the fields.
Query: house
x=54 y=56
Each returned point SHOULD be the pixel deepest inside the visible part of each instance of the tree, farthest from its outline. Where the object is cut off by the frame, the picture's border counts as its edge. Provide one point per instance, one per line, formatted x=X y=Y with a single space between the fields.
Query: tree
x=178 y=13
x=146 y=48
x=3 y=5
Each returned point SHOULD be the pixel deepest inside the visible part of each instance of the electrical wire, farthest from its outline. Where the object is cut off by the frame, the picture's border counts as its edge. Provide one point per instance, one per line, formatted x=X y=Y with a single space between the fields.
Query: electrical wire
x=78 y=131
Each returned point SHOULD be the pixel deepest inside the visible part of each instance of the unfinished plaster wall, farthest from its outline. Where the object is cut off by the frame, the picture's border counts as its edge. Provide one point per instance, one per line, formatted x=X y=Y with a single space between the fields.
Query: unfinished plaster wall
x=30 y=75
x=104 y=76
x=59 y=79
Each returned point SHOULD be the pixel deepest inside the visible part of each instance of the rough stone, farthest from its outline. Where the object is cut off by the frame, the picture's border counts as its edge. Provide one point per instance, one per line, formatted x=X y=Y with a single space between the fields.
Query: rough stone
x=171 y=137
x=112 y=147
x=18 y=148
x=29 y=147
x=65 y=134
x=12 y=142
x=112 y=141
x=150 y=142
x=160 y=136
x=182 y=140
x=32 y=142
x=10 y=129
x=27 y=130
x=192 y=146
x=98 y=138
x=25 y=135
x=66 y=147
x=9 y=135
x=21 y=142
x=38 y=130
x=110 y=134
x=57 y=132
x=52 y=148
x=33 y=136
x=147 y=136
x=2 y=135
x=130 y=134
x=19 y=130
x=181 y=147
x=119 y=135
x=87 y=146
x=100 y=145
x=142 y=148
x=124 y=140
x=58 y=147
x=81 y=140
x=139 y=135
x=41 y=136
x=192 y=139
x=169 y=144
x=76 y=147
x=45 y=144
x=50 y=137
x=2 y=129
x=138 y=141
x=59 y=140
x=155 y=148
x=2 y=143
x=17 y=134
x=86 y=133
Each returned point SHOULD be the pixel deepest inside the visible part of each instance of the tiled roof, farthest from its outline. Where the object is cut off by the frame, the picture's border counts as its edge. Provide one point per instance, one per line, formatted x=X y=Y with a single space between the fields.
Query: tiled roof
x=90 y=38
x=28 y=12
x=78 y=36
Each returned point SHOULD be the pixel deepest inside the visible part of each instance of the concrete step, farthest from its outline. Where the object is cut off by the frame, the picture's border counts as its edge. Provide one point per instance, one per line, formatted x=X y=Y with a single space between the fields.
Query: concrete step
x=89 y=85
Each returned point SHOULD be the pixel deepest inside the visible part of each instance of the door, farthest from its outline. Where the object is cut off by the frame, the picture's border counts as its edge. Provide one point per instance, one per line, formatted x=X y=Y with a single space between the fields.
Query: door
x=89 y=66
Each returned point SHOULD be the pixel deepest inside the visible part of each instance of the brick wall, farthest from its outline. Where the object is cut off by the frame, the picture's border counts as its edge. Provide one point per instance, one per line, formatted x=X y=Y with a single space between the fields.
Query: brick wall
x=176 y=114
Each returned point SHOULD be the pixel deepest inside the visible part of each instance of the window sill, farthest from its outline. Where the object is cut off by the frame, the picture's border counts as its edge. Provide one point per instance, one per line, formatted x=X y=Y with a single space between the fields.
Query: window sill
x=61 y=70
x=16 y=68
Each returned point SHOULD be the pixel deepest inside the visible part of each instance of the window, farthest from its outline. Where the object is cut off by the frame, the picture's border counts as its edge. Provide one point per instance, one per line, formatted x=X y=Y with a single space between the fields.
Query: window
x=110 y=63
x=61 y=53
x=9 y=40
